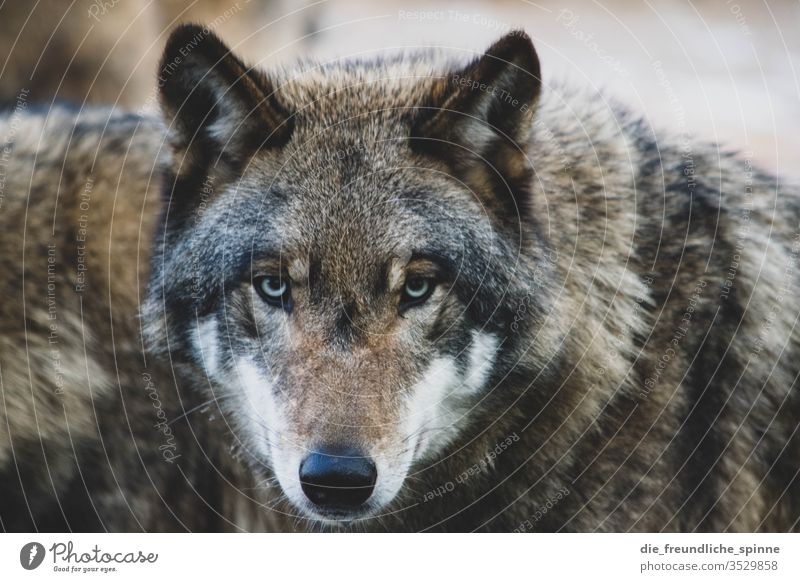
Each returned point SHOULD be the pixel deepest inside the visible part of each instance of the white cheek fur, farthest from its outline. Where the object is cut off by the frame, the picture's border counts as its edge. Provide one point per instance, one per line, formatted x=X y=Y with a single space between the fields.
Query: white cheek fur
x=207 y=343
x=436 y=408
x=482 y=357
x=268 y=427
x=262 y=412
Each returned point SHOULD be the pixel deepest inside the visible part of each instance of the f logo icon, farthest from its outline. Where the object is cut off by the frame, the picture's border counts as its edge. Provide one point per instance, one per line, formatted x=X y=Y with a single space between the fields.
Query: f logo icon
x=31 y=555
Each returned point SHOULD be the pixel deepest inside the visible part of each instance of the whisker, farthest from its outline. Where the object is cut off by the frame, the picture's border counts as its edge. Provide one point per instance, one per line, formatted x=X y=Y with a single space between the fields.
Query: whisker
x=198 y=407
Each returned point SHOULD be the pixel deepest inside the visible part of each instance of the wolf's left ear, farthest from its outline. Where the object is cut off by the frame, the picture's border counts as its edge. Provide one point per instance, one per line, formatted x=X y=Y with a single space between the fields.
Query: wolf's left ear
x=217 y=108
x=478 y=121
x=490 y=100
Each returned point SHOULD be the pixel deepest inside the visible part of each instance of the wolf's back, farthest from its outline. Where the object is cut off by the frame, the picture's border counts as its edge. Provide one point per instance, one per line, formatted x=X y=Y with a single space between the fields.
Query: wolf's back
x=78 y=197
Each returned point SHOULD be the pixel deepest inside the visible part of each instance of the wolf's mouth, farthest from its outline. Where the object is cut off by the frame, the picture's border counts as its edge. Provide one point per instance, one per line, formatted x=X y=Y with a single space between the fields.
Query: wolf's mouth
x=339 y=517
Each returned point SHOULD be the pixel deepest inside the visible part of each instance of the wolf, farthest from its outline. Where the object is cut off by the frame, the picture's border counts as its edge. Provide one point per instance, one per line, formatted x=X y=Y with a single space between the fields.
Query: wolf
x=420 y=292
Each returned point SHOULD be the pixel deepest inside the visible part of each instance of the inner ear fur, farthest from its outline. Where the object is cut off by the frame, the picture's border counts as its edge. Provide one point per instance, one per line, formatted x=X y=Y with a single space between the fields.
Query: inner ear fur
x=216 y=107
x=479 y=120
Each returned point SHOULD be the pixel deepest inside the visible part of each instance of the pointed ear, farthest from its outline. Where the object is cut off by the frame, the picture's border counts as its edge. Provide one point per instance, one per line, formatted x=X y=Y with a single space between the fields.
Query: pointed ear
x=217 y=109
x=479 y=122
x=490 y=100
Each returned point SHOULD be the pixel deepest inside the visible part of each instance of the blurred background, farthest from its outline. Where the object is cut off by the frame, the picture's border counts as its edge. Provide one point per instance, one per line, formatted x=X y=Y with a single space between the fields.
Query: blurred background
x=722 y=70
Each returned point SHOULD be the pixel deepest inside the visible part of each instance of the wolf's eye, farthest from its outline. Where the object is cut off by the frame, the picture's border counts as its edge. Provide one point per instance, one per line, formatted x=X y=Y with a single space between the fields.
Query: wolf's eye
x=275 y=291
x=416 y=291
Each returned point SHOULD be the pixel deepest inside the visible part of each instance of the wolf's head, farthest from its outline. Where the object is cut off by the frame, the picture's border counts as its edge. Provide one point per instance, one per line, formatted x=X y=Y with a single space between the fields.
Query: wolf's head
x=344 y=250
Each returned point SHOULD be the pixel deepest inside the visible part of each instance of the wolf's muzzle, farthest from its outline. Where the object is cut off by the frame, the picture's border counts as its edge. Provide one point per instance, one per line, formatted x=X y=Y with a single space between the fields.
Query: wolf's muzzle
x=338 y=478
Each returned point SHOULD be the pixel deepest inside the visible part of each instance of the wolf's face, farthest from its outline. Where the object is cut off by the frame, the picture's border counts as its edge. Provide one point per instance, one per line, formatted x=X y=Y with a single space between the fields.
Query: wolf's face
x=341 y=257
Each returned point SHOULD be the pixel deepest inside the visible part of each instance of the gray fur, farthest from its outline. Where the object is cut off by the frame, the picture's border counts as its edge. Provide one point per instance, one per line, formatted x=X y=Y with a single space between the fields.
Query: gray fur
x=641 y=291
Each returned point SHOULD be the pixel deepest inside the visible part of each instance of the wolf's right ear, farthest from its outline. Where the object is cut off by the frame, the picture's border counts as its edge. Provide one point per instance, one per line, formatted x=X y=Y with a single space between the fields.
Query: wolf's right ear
x=218 y=110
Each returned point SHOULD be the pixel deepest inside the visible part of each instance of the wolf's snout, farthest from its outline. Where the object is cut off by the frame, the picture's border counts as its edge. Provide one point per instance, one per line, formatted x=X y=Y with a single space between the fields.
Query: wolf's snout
x=339 y=478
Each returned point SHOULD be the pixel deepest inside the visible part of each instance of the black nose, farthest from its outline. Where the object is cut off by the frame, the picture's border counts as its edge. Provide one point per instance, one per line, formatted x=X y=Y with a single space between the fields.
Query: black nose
x=337 y=477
